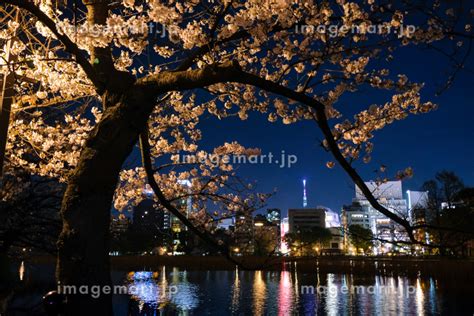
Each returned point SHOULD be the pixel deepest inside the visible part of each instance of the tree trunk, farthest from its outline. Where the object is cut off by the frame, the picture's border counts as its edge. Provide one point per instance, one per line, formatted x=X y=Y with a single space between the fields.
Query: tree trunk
x=83 y=245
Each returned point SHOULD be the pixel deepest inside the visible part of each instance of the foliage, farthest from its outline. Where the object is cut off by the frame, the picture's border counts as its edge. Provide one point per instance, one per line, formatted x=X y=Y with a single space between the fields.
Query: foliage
x=29 y=213
x=361 y=238
x=444 y=188
x=266 y=240
x=459 y=219
x=305 y=242
x=451 y=209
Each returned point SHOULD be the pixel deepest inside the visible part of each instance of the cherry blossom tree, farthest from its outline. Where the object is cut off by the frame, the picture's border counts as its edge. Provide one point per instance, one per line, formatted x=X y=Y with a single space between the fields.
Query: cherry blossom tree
x=110 y=74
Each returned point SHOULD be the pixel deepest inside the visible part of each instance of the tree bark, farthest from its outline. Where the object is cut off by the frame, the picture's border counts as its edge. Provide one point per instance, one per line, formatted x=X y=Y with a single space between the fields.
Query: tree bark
x=83 y=245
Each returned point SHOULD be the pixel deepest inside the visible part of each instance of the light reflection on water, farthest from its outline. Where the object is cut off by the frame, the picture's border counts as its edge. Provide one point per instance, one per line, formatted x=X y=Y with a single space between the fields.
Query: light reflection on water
x=151 y=291
x=171 y=291
x=259 y=293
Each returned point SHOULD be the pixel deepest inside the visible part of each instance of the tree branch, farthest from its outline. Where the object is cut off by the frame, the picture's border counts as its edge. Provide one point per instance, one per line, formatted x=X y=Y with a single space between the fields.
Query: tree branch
x=147 y=164
x=70 y=46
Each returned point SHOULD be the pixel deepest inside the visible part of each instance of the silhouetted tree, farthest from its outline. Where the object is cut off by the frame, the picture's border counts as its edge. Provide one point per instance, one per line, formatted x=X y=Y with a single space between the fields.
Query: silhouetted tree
x=304 y=242
x=459 y=221
x=442 y=193
x=361 y=237
x=29 y=213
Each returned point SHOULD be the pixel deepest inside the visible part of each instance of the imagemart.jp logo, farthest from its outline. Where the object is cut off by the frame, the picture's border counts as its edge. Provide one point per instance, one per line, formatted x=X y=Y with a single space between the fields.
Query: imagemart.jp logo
x=282 y=160
x=138 y=290
x=334 y=291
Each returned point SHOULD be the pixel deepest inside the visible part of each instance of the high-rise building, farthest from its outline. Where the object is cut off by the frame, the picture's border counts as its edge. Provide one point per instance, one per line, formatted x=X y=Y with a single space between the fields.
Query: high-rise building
x=331 y=218
x=175 y=228
x=243 y=233
x=306 y=218
x=151 y=221
x=417 y=201
x=356 y=214
x=361 y=212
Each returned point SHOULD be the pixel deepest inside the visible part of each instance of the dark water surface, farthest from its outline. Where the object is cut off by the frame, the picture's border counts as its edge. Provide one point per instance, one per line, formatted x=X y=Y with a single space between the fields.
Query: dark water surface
x=180 y=292
x=173 y=291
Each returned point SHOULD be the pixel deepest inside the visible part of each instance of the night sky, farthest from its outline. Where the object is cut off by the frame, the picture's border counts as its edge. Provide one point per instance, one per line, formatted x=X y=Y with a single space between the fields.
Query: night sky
x=443 y=139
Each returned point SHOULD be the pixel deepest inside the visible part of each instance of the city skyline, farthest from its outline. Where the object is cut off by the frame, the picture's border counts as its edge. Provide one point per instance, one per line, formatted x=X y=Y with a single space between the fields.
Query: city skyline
x=435 y=141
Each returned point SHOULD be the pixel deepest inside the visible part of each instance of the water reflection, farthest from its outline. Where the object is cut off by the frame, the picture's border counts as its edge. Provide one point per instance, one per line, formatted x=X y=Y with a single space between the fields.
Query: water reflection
x=331 y=295
x=235 y=292
x=285 y=294
x=21 y=271
x=183 y=295
x=282 y=293
x=259 y=293
x=151 y=292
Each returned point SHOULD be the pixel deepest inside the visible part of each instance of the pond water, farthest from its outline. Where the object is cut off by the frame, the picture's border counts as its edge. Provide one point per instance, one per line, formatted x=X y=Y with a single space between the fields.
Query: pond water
x=171 y=291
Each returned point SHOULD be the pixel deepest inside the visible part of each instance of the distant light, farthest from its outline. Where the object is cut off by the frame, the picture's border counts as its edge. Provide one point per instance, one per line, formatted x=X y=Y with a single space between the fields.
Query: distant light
x=258 y=224
x=185 y=183
x=21 y=271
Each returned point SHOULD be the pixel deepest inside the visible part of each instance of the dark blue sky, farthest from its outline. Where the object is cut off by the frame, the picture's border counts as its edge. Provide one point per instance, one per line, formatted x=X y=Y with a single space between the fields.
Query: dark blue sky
x=443 y=139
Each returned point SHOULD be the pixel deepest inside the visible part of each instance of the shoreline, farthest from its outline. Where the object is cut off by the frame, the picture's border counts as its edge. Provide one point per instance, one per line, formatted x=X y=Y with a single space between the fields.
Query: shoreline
x=442 y=268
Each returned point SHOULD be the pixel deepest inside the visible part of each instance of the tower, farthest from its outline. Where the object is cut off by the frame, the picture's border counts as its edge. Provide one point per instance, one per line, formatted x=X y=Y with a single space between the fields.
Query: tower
x=305 y=200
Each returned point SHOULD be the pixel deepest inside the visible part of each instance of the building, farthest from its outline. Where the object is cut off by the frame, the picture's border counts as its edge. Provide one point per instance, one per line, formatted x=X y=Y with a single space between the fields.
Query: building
x=355 y=214
x=418 y=206
x=226 y=223
x=420 y=212
x=243 y=233
x=332 y=218
x=284 y=229
x=182 y=240
x=150 y=224
x=300 y=219
x=146 y=217
x=361 y=212
x=274 y=216
x=336 y=244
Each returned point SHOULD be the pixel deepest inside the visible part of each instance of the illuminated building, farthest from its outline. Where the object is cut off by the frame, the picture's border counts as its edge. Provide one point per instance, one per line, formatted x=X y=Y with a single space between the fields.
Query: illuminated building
x=226 y=223
x=274 y=216
x=420 y=213
x=178 y=229
x=331 y=218
x=284 y=229
x=361 y=212
x=305 y=219
x=243 y=233
x=164 y=221
x=148 y=220
x=336 y=244
x=355 y=214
